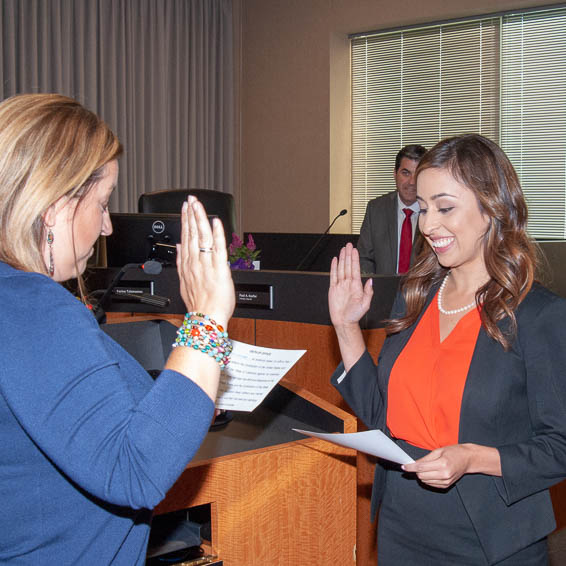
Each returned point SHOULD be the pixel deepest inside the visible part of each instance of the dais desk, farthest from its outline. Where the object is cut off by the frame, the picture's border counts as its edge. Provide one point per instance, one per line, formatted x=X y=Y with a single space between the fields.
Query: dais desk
x=300 y=320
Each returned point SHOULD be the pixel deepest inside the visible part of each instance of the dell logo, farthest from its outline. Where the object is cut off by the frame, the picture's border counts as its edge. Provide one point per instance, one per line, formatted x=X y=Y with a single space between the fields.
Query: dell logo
x=158 y=227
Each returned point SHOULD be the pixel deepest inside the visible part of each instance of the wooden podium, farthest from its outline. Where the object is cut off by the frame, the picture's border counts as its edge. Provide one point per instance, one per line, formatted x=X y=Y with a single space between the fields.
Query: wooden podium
x=274 y=496
x=292 y=502
x=298 y=320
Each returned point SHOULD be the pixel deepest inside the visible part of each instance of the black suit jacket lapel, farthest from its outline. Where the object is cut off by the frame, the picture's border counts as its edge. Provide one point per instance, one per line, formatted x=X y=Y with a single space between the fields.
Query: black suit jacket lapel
x=393 y=232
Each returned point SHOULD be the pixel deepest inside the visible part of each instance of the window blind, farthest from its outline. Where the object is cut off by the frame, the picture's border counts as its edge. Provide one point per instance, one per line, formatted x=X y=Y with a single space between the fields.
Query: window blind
x=418 y=86
x=533 y=125
x=503 y=77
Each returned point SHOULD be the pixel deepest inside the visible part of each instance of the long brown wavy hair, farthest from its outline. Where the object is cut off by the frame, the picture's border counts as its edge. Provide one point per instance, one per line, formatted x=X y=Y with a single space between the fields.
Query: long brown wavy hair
x=510 y=255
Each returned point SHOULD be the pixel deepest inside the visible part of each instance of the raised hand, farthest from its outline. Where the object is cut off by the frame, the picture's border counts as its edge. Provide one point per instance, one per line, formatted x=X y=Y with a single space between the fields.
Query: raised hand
x=348 y=299
x=202 y=263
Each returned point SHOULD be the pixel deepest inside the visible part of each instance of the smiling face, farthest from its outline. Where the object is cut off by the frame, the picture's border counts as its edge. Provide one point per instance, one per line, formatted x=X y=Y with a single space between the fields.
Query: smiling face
x=77 y=224
x=451 y=220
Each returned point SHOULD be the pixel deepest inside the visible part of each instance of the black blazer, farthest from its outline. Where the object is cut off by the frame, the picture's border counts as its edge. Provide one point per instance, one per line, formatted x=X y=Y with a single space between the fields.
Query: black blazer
x=514 y=401
x=379 y=236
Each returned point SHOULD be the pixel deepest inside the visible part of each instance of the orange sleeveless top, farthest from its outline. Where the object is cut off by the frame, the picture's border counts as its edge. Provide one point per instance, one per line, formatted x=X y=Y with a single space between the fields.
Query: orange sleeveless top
x=427 y=381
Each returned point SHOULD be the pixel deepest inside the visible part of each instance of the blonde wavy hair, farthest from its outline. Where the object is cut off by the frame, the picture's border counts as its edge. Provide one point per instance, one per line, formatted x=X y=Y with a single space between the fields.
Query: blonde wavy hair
x=510 y=256
x=50 y=147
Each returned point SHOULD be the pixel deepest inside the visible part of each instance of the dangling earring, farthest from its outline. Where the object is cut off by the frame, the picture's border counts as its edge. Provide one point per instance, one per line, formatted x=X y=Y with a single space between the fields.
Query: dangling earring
x=50 y=244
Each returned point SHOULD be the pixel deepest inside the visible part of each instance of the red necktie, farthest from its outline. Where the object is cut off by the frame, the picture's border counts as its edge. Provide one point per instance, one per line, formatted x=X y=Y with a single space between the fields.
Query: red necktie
x=406 y=243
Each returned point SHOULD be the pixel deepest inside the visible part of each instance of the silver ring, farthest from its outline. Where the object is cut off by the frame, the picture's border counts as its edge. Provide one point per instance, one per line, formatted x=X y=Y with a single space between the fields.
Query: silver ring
x=206 y=250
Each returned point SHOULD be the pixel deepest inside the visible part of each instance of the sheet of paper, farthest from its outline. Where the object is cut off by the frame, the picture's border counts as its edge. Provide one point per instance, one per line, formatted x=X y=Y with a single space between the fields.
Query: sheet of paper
x=369 y=441
x=251 y=374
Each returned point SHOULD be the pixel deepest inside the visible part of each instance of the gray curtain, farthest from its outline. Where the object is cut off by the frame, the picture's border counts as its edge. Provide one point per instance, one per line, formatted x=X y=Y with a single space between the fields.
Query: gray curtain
x=160 y=72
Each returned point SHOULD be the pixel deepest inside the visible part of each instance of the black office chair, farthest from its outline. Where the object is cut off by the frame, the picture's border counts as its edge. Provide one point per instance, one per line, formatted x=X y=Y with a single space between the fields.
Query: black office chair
x=216 y=203
x=170 y=201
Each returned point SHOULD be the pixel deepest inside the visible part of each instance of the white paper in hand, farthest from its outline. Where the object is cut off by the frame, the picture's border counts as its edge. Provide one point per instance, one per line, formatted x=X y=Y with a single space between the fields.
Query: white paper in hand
x=372 y=442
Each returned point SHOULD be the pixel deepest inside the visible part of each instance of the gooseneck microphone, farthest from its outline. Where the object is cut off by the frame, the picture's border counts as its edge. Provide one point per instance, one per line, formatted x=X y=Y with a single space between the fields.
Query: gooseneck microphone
x=151 y=267
x=302 y=263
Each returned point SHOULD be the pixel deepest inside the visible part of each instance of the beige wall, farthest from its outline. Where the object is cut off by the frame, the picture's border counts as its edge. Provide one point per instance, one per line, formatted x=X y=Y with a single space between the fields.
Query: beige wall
x=294 y=140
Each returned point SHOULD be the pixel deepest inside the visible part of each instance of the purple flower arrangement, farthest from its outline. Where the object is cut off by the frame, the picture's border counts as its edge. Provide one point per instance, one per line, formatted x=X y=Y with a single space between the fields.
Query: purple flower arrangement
x=242 y=256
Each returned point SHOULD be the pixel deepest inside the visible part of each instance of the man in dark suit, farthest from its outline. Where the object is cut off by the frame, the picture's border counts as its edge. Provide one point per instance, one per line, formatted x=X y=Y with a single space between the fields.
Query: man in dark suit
x=390 y=225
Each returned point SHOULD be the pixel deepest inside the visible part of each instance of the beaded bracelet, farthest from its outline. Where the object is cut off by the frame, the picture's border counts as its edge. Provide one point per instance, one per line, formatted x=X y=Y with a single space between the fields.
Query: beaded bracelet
x=206 y=336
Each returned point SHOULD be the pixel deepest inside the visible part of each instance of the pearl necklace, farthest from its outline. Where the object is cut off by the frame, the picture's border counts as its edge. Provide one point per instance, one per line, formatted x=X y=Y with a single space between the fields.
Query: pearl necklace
x=453 y=311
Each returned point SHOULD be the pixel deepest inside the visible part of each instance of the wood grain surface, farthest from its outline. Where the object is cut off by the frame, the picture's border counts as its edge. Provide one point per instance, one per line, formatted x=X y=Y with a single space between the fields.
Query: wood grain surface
x=288 y=504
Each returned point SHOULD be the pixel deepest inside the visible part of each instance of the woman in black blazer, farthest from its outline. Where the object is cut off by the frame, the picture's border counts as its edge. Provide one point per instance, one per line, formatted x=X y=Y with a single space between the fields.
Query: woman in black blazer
x=482 y=499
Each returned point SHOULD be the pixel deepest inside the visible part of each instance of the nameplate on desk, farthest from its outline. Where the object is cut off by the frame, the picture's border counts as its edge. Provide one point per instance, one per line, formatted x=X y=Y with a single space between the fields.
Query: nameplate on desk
x=254 y=296
x=131 y=287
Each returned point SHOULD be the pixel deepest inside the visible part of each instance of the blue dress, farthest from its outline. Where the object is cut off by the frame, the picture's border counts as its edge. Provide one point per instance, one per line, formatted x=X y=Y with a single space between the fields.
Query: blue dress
x=89 y=444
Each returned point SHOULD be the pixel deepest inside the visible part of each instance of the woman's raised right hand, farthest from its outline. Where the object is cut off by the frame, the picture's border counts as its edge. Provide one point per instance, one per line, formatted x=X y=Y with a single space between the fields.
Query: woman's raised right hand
x=348 y=299
x=202 y=263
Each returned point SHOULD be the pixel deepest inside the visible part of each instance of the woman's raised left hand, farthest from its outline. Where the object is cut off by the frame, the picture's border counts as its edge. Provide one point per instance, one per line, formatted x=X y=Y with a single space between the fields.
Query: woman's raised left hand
x=202 y=263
